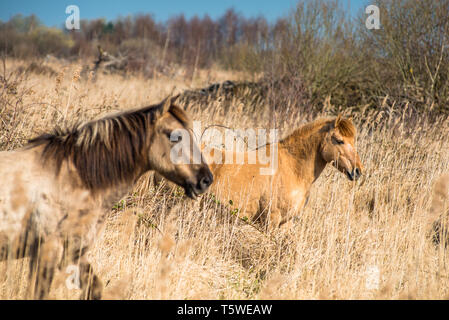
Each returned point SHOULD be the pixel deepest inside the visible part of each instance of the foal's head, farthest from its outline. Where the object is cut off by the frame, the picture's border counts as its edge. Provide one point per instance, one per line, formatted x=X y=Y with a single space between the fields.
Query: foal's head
x=174 y=152
x=338 y=147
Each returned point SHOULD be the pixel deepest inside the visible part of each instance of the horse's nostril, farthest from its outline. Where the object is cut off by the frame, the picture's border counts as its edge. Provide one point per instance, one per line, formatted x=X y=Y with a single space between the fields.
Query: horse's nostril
x=357 y=172
x=205 y=182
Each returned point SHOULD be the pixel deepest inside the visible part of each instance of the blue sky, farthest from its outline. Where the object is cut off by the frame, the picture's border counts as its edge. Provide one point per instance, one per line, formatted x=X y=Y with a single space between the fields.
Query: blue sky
x=52 y=12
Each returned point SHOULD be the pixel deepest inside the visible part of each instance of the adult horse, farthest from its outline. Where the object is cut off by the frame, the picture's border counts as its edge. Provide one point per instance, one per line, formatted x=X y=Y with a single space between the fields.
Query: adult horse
x=57 y=190
x=274 y=199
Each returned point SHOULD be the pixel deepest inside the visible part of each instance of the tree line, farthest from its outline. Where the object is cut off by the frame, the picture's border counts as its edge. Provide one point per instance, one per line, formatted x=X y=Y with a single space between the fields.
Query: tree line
x=319 y=42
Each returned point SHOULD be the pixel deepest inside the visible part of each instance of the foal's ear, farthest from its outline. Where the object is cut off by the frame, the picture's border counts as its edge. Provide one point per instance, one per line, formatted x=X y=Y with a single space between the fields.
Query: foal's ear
x=337 y=121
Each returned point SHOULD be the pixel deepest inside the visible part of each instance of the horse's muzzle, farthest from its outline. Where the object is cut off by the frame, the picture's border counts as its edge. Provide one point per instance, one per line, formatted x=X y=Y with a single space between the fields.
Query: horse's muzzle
x=204 y=180
x=354 y=175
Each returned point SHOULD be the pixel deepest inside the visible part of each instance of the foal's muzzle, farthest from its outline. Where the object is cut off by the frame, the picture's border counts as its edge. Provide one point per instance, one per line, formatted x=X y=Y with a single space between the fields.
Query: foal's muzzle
x=354 y=174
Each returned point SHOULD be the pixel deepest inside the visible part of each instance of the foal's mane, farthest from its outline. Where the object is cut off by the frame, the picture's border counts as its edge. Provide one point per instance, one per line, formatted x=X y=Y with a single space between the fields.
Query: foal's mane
x=109 y=150
x=298 y=142
x=344 y=126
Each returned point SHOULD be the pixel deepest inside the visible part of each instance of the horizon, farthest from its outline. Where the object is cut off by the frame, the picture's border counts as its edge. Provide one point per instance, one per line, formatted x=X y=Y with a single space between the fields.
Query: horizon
x=52 y=13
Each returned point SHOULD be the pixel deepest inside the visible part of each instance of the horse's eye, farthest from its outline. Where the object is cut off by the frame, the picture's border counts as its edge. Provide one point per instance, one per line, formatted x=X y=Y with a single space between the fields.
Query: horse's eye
x=338 y=141
x=174 y=136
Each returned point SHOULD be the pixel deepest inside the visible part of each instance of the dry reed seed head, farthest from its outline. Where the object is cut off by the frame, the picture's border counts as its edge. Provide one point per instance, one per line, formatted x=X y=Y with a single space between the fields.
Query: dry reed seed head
x=76 y=74
x=90 y=76
x=60 y=78
x=327 y=105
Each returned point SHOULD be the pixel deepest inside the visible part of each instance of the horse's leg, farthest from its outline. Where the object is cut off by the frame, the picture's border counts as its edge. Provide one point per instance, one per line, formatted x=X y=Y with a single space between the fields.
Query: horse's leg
x=44 y=259
x=4 y=247
x=90 y=283
x=287 y=224
x=16 y=247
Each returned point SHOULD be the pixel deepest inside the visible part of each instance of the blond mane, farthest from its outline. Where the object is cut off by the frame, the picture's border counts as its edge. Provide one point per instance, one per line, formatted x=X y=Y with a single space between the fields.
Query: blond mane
x=344 y=126
x=300 y=143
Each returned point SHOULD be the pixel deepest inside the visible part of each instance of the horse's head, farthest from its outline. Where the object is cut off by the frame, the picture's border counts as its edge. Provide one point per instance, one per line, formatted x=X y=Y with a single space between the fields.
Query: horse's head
x=174 y=153
x=338 y=147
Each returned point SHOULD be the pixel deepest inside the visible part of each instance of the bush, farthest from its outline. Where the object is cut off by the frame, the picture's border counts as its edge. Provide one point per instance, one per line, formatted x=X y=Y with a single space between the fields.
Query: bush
x=24 y=37
x=410 y=52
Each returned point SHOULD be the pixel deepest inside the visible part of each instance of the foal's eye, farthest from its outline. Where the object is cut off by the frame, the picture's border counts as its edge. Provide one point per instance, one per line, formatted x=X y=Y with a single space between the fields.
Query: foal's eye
x=338 y=141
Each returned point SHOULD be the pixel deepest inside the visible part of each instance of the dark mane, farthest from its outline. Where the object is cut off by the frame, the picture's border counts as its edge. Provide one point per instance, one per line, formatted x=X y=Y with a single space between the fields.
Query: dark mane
x=106 y=151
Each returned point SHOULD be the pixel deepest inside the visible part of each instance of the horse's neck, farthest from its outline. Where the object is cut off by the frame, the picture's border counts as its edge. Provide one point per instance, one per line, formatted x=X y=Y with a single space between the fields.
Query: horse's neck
x=306 y=157
x=111 y=195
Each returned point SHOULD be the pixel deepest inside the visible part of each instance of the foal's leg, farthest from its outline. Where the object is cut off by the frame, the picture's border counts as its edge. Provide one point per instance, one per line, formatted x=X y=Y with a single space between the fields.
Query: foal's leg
x=44 y=259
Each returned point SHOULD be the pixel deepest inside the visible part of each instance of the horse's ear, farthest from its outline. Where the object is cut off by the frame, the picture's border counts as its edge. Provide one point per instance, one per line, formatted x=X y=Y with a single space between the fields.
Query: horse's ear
x=166 y=104
x=163 y=108
x=337 y=121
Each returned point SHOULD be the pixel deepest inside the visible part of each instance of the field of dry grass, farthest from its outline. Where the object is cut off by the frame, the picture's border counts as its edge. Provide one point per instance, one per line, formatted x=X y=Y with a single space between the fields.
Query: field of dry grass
x=368 y=239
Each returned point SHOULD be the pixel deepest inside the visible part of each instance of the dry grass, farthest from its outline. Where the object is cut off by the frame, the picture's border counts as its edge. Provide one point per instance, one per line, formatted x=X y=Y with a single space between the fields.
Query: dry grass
x=158 y=245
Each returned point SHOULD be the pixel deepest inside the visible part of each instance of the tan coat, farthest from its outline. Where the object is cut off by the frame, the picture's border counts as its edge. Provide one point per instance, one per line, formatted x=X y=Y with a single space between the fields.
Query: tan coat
x=302 y=156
